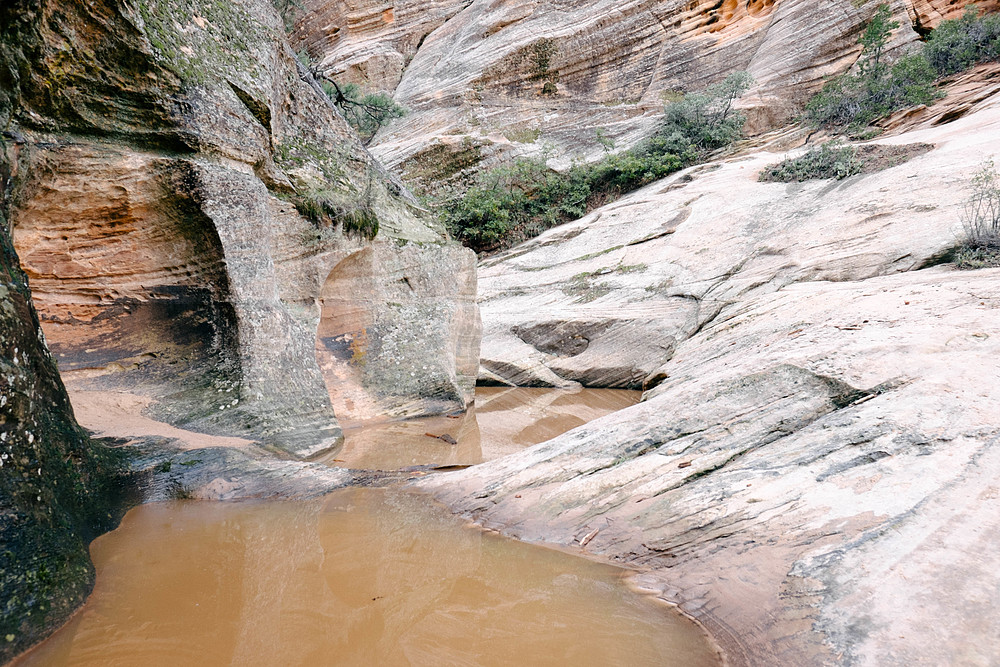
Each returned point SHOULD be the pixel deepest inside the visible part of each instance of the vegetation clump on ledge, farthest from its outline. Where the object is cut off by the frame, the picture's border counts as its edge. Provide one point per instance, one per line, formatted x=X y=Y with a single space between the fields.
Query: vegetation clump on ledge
x=832 y=159
x=837 y=160
x=359 y=221
x=517 y=201
x=852 y=102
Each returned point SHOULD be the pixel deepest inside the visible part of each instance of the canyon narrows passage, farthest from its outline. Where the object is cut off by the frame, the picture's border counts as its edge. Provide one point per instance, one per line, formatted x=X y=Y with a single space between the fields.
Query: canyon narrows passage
x=218 y=282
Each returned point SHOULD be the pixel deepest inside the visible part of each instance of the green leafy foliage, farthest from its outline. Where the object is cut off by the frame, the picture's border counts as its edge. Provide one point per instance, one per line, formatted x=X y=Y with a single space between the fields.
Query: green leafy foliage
x=358 y=220
x=829 y=160
x=854 y=101
x=959 y=44
x=705 y=120
x=367 y=113
x=875 y=37
x=519 y=200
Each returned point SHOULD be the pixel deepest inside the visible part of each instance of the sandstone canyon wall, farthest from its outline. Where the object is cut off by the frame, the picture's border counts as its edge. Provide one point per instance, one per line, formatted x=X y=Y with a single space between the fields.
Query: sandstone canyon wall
x=542 y=77
x=166 y=150
x=57 y=490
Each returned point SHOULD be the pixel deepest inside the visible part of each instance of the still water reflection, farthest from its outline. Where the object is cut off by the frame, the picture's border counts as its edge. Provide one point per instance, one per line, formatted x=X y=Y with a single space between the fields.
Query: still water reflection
x=503 y=420
x=362 y=577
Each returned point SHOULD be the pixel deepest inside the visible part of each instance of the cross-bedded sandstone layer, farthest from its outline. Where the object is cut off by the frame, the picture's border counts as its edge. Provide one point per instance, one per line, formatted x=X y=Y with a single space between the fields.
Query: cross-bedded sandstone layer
x=812 y=470
x=185 y=196
x=537 y=77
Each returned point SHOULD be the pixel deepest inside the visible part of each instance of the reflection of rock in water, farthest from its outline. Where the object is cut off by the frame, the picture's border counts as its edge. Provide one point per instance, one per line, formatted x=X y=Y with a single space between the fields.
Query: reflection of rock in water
x=362 y=577
x=398 y=335
x=502 y=421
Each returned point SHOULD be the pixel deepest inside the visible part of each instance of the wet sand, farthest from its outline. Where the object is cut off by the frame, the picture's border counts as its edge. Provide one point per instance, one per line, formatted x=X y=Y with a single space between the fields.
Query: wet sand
x=116 y=414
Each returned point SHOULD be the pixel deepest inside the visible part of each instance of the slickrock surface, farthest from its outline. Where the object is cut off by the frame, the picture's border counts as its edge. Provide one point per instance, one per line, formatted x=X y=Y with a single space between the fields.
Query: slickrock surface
x=813 y=469
x=171 y=471
x=161 y=150
x=481 y=77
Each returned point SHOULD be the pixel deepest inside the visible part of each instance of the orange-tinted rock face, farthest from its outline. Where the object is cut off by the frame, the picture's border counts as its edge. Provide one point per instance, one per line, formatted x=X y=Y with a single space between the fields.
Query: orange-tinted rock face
x=121 y=262
x=156 y=205
x=728 y=16
x=928 y=13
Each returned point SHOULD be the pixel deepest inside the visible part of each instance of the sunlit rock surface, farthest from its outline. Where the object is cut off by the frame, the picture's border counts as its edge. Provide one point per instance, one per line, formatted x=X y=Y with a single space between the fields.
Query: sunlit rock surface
x=812 y=471
x=163 y=149
x=542 y=77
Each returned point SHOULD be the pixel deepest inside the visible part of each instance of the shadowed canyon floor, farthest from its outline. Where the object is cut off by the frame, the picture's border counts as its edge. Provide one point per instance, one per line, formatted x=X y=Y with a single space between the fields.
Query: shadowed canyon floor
x=182 y=463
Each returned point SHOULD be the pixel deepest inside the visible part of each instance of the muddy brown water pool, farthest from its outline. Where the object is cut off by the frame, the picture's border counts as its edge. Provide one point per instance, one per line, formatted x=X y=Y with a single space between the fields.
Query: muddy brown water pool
x=502 y=421
x=365 y=577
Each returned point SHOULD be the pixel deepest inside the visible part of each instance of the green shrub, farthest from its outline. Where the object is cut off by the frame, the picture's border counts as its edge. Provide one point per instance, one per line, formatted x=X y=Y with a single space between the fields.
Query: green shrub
x=977 y=258
x=875 y=90
x=853 y=101
x=961 y=43
x=358 y=220
x=829 y=160
x=981 y=213
x=705 y=120
x=513 y=202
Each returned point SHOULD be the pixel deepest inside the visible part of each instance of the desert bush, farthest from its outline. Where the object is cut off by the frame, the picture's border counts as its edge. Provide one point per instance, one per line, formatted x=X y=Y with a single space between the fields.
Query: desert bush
x=705 y=120
x=961 y=43
x=519 y=200
x=855 y=100
x=288 y=10
x=977 y=258
x=980 y=247
x=981 y=212
x=829 y=160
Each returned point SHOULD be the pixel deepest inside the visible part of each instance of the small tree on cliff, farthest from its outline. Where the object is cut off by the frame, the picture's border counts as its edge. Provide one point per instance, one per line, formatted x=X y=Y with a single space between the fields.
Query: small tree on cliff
x=874 y=39
x=853 y=101
x=365 y=112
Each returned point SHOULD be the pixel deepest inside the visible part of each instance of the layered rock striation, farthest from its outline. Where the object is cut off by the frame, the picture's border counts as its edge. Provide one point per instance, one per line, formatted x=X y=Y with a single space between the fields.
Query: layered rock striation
x=542 y=77
x=57 y=488
x=812 y=470
x=179 y=203
x=185 y=193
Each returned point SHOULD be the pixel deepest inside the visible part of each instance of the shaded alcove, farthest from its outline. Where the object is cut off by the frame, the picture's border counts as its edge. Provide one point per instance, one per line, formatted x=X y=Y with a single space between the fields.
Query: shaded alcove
x=127 y=273
x=346 y=314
